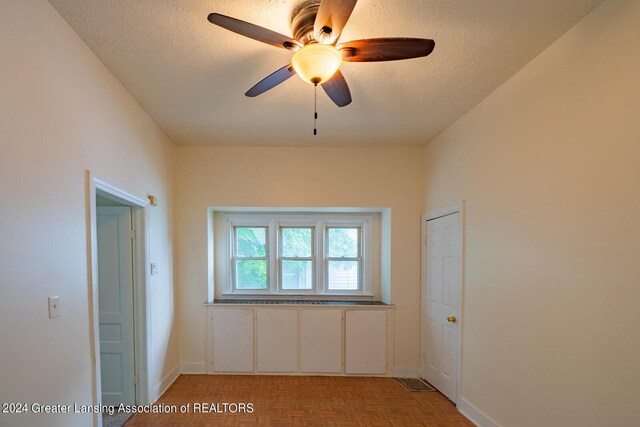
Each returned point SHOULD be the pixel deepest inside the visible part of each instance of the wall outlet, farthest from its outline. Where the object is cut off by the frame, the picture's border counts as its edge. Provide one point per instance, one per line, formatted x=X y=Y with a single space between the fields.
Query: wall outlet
x=154 y=268
x=54 y=307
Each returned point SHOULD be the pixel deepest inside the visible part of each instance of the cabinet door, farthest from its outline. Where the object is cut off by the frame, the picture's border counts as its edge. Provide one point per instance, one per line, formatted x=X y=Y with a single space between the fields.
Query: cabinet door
x=233 y=340
x=321 y=341
x=366 y=341
x=277 y=340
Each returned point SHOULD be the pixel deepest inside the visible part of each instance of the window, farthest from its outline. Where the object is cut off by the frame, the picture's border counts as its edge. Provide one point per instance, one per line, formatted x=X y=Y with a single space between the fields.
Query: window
x=343 y=258
x=251 y=256
x=296 y=258
x=298 y=254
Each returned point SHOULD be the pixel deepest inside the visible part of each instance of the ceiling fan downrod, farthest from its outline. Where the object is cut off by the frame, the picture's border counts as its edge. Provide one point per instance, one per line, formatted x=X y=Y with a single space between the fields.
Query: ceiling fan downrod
x=315 y=109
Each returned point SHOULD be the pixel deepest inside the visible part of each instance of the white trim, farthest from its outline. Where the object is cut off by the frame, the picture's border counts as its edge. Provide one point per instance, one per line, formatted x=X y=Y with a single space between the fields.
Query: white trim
x=92 y=259
x=407 y=371
x=462 y=298
x=193 y=368
x=364 y=280
x=166 y=382
x=118 y=194
x=142 y=301
x=142 y=316
x=211 y=254
x=233 y=245
x=321 y=223
x=380 y=285
x=315 y=282
x=474 y=414
x=303 y=210
x=435 y=214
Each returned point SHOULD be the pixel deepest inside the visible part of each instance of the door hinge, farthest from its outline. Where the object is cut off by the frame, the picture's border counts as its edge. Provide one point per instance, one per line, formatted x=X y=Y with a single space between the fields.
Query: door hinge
x=136 y=379
x=132 y=234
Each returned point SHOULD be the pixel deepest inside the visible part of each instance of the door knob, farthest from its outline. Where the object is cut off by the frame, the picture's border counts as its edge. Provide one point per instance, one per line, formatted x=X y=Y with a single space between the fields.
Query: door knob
x=452 y=319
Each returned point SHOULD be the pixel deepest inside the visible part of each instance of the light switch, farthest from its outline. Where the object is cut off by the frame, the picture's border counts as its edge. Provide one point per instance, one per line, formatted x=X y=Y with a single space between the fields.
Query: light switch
x=54 y=307
x=154 y=268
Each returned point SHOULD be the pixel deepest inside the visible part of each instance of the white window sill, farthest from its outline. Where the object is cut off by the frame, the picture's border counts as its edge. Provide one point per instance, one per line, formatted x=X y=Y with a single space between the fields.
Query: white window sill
x=296 y=297
x=310 y=303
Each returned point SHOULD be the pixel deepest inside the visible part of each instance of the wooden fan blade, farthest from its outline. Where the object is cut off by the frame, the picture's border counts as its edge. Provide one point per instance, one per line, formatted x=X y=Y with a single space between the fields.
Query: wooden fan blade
x=338 y=89
x=271 y=81
x=331 y=18
x=386 y=49
x=254 y=31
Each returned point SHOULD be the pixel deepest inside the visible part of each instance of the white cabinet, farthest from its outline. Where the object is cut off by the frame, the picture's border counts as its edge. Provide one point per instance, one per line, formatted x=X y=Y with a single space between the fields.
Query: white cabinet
x=366 y=342
x=321 y=341
x=233 y=340
x=277 y=340
x=295 y=339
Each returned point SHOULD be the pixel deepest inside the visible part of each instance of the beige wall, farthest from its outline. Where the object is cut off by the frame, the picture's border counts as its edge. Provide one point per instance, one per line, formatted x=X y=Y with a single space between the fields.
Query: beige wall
x=549 y=166
x=62 y=112
x=307 y=177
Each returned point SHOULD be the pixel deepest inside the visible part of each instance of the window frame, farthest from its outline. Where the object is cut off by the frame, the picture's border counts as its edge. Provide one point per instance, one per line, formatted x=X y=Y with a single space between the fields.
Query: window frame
x=233 y=239
x=312 y=258
x=320 y=223
x=359 y=258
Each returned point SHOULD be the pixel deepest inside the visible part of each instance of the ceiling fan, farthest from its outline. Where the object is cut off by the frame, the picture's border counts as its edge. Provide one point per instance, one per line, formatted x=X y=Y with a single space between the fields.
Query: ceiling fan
x=316 y=27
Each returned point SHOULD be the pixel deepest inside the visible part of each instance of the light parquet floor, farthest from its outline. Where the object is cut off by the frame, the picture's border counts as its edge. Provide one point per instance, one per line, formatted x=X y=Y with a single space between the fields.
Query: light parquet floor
x=304 y=401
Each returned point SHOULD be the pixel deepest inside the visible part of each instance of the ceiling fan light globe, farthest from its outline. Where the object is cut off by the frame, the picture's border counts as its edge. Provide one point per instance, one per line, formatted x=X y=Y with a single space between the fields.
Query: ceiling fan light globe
x=316 y=63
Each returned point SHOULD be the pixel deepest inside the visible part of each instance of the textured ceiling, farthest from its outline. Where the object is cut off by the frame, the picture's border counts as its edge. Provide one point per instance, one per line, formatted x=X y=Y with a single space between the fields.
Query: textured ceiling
x=190 y=76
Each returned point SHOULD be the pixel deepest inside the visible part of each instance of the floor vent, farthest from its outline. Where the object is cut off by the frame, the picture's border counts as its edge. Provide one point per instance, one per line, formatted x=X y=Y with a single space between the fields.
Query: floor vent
x=118 y=419
x=416 y=384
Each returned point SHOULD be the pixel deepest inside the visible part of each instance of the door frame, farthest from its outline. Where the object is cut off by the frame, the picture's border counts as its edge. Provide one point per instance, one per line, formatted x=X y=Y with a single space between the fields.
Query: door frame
x=141 y=280
x=429 y=216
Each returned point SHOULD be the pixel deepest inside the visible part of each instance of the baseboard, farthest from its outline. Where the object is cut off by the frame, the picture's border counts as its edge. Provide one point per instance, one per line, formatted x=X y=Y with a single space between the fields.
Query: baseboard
x=193 y=368
x=474 y=414
x=407 y=371
x=166 y=382
x=398 y=371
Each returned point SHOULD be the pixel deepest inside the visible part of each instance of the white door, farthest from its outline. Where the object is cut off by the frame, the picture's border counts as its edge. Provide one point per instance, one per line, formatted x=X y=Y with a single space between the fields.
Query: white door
x=366 y=342
x=442 y=304
x=115 y=284
x=233 y=340
x=321 y=341
x=277 y=340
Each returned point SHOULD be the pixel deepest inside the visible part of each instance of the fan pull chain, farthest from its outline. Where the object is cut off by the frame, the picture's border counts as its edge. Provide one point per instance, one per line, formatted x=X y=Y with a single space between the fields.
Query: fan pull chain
x=315 y=110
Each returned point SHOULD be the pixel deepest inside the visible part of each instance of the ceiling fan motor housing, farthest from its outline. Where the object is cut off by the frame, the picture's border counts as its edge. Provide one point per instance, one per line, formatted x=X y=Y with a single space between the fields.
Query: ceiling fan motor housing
x=303 y=18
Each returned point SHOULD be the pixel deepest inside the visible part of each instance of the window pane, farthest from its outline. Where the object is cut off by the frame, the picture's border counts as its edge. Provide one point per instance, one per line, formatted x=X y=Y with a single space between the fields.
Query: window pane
x=343 y=275
x=343 y=242
x=297 y=274
x=251 y=274
x=251 y=241
x=296 y=242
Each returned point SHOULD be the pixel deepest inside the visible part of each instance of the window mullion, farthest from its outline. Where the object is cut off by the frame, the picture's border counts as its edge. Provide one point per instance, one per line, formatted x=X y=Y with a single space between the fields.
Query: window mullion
x=272 y=253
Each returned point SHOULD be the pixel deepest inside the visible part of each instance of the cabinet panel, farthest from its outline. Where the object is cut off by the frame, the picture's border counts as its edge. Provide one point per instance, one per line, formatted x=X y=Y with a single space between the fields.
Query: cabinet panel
x=277 y=340
x=321 y=341
x=233 y=340
x=366 y=341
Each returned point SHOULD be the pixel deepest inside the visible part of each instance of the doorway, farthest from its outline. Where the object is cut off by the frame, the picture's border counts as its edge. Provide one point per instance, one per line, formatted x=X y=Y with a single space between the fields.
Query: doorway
x=441 y=300
x=118 y=295
x=115 y=234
